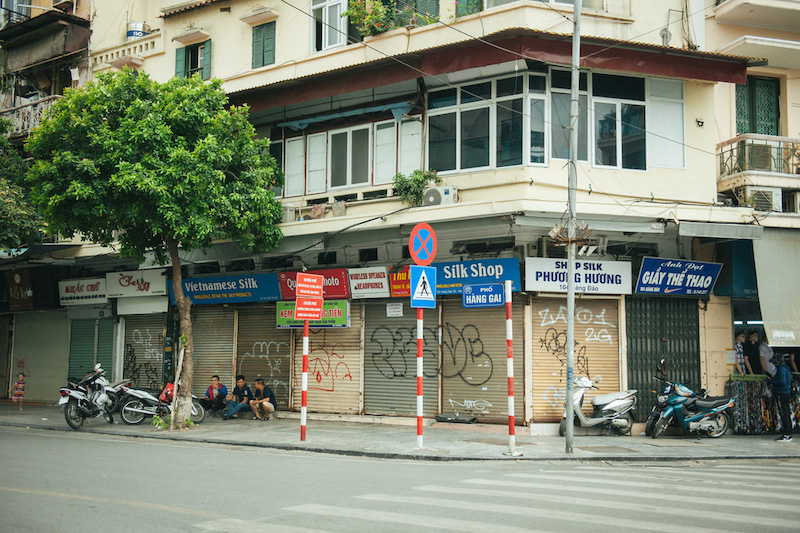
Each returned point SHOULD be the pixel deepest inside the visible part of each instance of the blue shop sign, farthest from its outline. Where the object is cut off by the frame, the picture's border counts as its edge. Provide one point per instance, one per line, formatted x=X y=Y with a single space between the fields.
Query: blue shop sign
x=483 y=295
x=451 y=277
x=677 y=277
x=231 y=289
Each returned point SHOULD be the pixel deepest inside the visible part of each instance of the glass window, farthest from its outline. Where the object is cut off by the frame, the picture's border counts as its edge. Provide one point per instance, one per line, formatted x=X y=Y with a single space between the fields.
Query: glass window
x=339 y=159
x=633 y=137
x=475 y=138
x=537 y=84
x=330 y=27
x=605 y=134
x=444 y=98
x=349 y=157
x=562 y=79
x=359 y=156
x=476 y=93
x=622 y=87
x=509 y=86
x=385 y=152
x=661 y=88
x=559 y=126
x=294 y=183
x=509 y=133
x=537 y=131
x=442 y=142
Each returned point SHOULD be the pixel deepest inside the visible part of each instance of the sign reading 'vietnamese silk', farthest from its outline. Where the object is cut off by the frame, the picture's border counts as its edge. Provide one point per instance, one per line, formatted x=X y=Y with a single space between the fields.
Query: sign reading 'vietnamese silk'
x=677 y=277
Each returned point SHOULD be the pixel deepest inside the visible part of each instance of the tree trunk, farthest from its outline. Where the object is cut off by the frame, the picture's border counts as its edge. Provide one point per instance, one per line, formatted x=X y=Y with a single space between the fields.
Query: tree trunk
x=183 y=405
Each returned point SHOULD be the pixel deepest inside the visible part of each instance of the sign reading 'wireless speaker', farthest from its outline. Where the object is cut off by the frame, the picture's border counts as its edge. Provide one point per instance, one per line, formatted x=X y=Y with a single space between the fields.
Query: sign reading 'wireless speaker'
x=677 y=277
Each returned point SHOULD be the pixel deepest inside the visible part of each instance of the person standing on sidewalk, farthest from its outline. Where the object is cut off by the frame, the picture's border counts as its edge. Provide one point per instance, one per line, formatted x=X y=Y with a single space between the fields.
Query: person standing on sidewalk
x=765 y=353
x=781 y=386
x=17 y=390
x=751 y=354
x=742 y=365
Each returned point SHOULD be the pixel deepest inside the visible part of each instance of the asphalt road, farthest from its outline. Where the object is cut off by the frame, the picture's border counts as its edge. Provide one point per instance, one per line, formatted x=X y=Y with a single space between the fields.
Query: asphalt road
x=57 y=481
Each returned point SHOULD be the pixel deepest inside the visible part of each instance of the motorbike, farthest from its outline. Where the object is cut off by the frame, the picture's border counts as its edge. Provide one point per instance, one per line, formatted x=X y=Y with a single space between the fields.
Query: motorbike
x=139 y=403
x=680 y=406
x=613 y=411
x=117 y=393
x=87 y=398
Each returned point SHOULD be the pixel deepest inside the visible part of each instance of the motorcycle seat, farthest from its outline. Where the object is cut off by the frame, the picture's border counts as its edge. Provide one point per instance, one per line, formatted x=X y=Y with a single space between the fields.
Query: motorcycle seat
x=610 y=397
x=711 y=403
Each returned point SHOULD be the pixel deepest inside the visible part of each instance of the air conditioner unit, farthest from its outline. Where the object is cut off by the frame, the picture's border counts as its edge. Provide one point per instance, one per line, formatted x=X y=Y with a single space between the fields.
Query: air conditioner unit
x=761 y=156
x=440 y=195
x=791 y=202
x=764 y=198
x=289 y=214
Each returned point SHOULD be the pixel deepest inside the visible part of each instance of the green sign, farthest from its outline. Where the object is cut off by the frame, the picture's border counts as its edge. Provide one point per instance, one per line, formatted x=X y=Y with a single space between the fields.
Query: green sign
x=335 y=314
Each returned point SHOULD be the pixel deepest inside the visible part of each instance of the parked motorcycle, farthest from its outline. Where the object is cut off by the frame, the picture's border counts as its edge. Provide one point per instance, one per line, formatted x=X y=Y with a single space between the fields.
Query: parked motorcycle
x=141 y=403
x=117 y=394
x=613 y=411
x=679 y=406
x=87 y=398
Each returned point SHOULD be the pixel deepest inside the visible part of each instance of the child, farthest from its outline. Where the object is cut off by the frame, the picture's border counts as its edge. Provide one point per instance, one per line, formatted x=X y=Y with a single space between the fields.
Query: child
x=18 y=390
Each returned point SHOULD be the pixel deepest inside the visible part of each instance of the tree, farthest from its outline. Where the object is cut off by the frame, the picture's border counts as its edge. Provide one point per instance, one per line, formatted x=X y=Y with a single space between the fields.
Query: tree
x=20 y=223
x=156 y=167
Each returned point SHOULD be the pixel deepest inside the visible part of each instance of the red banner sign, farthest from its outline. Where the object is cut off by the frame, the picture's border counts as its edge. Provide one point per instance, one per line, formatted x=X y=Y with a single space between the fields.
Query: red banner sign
x=308 y=308
x=400 y=284
x=334 y=283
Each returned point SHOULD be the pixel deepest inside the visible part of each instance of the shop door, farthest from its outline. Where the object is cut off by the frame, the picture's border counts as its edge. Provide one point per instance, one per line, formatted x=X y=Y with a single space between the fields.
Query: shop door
x=661 y=328
x=596 y=352
x=212 y=329
x=91 y=341
x=144 y=350
x=758 y=106
x=390 y=361
x=263 y=351
x=474 y=361
x=334 y=367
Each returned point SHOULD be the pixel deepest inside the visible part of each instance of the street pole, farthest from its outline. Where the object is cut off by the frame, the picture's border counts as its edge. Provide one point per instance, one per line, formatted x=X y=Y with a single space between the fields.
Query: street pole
x=574 y=112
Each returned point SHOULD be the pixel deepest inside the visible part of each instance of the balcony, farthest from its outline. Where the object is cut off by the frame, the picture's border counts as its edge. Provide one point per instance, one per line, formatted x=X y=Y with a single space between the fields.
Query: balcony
x=25 y=118
x=130 y=53
x=767 y=14
x=762 y=171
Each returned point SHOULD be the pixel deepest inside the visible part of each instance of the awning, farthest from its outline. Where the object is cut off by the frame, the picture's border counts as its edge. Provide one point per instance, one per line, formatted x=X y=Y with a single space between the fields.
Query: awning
x=398 y=110
x=720 y=231
x=777 y=256
x=626 y=226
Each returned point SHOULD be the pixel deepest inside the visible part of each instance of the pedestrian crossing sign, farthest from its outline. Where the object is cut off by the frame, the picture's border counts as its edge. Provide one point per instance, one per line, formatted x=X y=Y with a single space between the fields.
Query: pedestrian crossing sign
x=423 y=287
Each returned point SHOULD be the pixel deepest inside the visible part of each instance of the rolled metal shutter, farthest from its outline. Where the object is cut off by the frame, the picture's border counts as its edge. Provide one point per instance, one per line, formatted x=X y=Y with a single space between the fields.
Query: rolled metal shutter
x=474 y=361
x=105 y=344
x=81 y=347
x=212 y=329
x=390 y=361
x=144 y=350
x=263 y=351
x=334 y=367
x=596 y=352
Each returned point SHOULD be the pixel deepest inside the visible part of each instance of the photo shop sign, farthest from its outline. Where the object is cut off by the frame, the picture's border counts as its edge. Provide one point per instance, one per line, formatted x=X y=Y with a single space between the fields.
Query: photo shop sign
x=591 y=277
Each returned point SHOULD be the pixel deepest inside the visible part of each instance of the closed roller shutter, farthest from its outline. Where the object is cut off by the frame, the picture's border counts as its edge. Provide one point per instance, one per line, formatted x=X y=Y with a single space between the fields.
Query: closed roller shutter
x=212 y=329
x=390 y=361
x=263 y=351
x=105 y=344
x=596 y=352
x=91 y=341
x=474 y=361
x=334 y=367
x=144 y=350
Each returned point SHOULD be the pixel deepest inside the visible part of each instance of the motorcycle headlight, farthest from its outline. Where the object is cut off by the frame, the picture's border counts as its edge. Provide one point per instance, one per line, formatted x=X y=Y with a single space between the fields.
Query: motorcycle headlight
x=662 y=398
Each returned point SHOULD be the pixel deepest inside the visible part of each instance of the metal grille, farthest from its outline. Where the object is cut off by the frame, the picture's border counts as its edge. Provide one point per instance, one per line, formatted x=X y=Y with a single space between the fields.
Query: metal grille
x=212 y=331
x=758 y=106
x=596 y=352
x=144 y=350
x=474 y=381
x=390 y=361
x=263 y=351
x=661 y=328
x=91 y=341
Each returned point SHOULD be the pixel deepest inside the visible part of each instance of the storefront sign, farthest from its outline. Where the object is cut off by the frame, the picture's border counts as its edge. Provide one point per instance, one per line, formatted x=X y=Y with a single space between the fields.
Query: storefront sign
x=451 y=277
x=334 y=284
x=394 y=310
x=400 y=283
x=483 y=295
x=230 y=289
x=82 y=291
x=592 y=277
x=677 y=277
x=335 y=314
x=136 y=283
x=20 y=294
x=368 y=282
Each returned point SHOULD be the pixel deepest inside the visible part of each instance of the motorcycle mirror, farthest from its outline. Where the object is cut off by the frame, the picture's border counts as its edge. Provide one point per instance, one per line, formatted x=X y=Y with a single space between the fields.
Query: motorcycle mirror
x=97 y=366
x=662 y=366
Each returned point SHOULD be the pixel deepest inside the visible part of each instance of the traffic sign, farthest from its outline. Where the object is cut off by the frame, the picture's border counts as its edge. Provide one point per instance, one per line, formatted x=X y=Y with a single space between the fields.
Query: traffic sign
x=423 y=287
x=483 y=295
x=308 y=308
x=422 y=244
x=309 y=285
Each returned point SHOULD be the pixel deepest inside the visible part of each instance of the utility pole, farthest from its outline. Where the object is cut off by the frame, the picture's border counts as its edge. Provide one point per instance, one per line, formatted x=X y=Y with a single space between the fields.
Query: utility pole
x=574 y=113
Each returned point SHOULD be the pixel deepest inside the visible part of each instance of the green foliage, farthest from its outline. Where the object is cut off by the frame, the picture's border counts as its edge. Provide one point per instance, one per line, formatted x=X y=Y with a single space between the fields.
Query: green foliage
x=20 y=223
x=372 y=17
x=411 y=189
x=129 y=159
x=163 y=423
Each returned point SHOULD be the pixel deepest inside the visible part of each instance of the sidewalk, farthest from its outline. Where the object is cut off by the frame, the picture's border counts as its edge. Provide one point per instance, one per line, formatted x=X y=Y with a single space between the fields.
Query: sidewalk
x=442 y=442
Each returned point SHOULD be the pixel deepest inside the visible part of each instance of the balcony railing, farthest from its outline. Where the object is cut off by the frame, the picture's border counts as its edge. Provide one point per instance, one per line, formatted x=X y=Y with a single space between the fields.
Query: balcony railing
x=759 y=153
x=25 y=118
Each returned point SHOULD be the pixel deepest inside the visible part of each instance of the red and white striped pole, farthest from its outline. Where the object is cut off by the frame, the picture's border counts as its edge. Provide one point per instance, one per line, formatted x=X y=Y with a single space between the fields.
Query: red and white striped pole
x=510 y=370
x=304 y=383
x=419 y=377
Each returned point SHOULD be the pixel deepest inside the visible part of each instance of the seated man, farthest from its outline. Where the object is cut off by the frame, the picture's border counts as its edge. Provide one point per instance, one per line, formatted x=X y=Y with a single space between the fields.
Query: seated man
x=264 y=400
x=239 y=399
x=215 y=396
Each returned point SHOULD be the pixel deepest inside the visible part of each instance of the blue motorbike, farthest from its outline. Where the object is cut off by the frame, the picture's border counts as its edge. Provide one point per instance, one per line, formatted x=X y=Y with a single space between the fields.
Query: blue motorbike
x=679 y=406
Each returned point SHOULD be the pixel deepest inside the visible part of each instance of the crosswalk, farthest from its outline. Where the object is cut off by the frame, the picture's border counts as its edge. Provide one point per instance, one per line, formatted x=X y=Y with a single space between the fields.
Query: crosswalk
x=561 y=498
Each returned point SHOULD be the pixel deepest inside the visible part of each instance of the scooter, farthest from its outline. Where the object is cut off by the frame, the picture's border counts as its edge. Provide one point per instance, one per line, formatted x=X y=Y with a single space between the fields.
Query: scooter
x=681 y=407
x=140 y=404
x=87 y=398
x=613 y=411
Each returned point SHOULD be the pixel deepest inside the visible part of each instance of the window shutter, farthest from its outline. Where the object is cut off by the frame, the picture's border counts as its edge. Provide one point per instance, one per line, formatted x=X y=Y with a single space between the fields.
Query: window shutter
x=429 y=7
x=207 y=59
x=295 y=167
x=258 y=46
x=180 y=63
x=316 y=157
x=269 y=43
x=410 y=147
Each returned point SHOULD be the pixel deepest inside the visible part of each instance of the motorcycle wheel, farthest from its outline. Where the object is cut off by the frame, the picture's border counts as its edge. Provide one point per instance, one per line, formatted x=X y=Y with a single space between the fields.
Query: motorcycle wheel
x=73 y=415
x=108 y=416
x=659 y=427
x=648 y=427
x=132 y=417
x=198 y=412
x=723 y=423
x=562 y=427
x=113 y=402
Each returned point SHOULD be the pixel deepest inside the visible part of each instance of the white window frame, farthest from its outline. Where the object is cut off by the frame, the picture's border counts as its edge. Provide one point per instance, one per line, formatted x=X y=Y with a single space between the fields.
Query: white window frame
x=340 y=24
x=529 y=98
x=294 y=156
x=651 y=102
x=618 y=103
x=410 y=151
x=316 y=167
x=390 y=128
x=349 y=178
